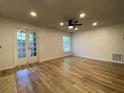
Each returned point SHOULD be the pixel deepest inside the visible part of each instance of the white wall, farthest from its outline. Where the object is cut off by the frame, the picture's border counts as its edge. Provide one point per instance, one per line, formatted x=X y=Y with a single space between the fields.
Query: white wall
x=6 y=41
x=99 y=43
x=50 y=42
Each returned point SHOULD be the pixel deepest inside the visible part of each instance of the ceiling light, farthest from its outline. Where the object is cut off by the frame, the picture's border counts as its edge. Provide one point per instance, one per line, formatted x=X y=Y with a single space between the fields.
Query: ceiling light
x=61 y=24
x=33 y=14
x=82 y=15
x=76 y=28
x=95 y=24
x=70 y=27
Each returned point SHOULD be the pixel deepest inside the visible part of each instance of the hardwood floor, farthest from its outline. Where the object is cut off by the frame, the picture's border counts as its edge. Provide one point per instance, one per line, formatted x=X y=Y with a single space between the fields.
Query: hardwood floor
x=71 y=75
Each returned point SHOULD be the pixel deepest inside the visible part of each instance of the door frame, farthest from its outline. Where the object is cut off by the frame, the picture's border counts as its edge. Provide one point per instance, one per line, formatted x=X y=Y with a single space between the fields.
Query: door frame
x=16 y=47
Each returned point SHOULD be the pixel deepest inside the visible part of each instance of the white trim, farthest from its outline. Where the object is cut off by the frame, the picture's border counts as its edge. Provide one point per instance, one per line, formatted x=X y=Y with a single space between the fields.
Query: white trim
x=54 y=58
x=101 y=60
x=6 y=68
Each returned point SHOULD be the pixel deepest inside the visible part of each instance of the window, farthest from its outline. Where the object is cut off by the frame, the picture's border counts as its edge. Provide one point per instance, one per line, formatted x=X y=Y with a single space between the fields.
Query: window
x=67 y=43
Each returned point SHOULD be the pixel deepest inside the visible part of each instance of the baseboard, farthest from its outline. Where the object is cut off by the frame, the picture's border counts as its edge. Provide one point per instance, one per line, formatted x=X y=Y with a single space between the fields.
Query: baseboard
x=101 y=60
x=7 y=68
x=7 y=71
x=52 y=59
x=13 y=67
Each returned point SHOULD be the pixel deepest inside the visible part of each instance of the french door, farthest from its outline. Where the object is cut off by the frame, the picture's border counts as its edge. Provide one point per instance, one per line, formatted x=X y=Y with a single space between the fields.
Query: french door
x=27 y=49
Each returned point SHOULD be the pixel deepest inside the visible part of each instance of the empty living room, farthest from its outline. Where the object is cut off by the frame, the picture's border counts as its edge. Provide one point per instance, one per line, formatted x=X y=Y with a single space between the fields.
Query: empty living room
x=61 y=46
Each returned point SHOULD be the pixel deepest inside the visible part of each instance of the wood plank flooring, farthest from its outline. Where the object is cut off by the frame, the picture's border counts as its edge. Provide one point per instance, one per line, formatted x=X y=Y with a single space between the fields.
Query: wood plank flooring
x=71 y=75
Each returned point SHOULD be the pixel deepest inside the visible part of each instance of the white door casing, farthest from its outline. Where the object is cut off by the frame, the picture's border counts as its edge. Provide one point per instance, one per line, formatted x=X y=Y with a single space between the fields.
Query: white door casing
x=26 y=46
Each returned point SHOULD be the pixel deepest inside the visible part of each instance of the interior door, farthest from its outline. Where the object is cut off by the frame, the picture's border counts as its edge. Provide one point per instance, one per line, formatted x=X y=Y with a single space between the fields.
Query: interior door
x=26 y=47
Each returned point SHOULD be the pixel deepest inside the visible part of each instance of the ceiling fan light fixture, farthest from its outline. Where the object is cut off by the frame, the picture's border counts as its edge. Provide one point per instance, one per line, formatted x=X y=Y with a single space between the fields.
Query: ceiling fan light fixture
x=76 y=28
x=70 y=27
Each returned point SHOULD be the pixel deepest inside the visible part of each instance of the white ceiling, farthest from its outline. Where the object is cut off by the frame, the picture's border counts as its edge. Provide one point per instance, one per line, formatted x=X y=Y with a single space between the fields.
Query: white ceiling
x=51 y=12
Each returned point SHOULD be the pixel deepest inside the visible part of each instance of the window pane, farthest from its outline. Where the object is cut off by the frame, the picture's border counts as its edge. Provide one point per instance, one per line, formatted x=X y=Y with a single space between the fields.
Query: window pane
x=19 y=43
x=20 y=55
x=20 y=49
x=67 y=47
x=66 y=43
x=33 y=44
x=32 y=36
x=24 y=50
x=35 y=49
x=18 y=35
x=66 y=39
x=24 y=55
x=31 y=49
x=23 y=36
x=35 y=53
x=23 y=43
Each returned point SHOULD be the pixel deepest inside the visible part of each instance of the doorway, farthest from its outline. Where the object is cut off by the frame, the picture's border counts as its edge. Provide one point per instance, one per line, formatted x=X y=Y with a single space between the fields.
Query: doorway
x=27 y=48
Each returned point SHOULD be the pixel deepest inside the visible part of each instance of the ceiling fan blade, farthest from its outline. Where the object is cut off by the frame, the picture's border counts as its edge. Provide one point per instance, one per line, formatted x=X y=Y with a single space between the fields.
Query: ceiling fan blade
x=77 y=24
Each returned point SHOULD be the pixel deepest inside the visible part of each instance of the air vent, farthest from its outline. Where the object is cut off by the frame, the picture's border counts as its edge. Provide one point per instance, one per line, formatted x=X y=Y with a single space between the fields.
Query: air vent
x=117 y=57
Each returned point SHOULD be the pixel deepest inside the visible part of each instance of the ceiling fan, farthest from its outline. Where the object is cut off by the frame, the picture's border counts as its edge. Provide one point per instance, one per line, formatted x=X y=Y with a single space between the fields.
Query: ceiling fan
x=73 y=24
